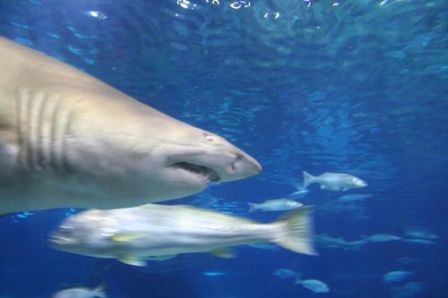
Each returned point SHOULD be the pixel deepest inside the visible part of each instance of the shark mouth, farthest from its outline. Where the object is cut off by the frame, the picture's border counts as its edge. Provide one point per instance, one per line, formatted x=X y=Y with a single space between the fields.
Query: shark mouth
x=211 y=175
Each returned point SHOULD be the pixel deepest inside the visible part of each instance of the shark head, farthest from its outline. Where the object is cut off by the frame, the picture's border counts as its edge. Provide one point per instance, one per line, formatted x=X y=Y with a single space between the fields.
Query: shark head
x=143 y=155
x=70 y=140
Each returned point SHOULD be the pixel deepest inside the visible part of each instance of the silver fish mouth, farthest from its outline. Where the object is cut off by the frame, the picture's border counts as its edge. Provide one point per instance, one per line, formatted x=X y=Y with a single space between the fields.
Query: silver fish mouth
x=211 y=175
x=56 y=240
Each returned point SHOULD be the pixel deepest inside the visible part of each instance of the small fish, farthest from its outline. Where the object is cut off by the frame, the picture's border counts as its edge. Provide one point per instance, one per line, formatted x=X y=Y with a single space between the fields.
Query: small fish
x=131 y=235
x=214 y=273
x=396 y=276
x=381 y=237
x=420 y=241
x=97 y=292
x=298 y=194
x=408 y=290
x=333 y=181
x=353 y=198
x=285 y=273
x=313 y=285
x=275 y=205
x=333 y=242
x=421 y=234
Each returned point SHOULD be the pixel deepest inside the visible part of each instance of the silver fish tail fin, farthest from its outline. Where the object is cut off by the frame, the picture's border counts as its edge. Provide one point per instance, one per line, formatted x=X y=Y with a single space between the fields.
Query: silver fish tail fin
x=252 y=207
x=99 y=291
x=297 y=234
x=298 y=280
x=307 y=179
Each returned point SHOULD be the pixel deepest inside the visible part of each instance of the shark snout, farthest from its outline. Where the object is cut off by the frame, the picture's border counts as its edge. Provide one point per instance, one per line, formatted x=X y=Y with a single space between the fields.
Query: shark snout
x=242 y=167
x=216 y=160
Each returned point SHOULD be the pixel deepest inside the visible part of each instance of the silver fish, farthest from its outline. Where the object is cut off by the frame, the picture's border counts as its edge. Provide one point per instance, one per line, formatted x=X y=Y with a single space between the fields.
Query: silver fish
x=313 y=285
x=333 y=181
x=396 y=276
x=131 y=235
x=274 y=205
x=69 y=140
x=97 y=292
x=421 y=233
x=334 y=242
x=420 y=241
x=382 y=237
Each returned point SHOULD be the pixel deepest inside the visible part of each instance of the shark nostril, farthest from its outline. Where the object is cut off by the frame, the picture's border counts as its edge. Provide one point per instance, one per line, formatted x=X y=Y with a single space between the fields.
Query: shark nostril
x=237 y=160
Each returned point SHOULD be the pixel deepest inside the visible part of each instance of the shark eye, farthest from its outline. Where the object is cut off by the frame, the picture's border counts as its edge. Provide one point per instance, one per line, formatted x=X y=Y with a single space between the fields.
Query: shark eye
x=209 y=137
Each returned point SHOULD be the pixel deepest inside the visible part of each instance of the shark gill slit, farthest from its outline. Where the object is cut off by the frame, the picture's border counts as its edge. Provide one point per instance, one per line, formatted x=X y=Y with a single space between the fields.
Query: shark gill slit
x=36 y=105
x=48 y=139
x=22 y=114
x=43 y=124
x=60 y=124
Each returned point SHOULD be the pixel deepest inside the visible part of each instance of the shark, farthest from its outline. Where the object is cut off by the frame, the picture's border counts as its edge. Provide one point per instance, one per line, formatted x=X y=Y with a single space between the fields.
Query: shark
x=68 y=139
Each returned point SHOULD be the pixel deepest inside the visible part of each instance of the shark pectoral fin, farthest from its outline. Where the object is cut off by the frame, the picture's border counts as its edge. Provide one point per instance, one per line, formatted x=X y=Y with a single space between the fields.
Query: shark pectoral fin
x=126 y=237
x=130 y=260
x=223 y=252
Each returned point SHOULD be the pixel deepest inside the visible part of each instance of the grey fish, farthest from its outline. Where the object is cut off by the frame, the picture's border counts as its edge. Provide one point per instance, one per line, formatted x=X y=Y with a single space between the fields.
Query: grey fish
x=131 y=235
x=333 y=181
x=69 y=140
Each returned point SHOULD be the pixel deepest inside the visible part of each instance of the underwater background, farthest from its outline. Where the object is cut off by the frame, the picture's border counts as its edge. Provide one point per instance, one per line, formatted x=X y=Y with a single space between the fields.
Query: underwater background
x=356 y=86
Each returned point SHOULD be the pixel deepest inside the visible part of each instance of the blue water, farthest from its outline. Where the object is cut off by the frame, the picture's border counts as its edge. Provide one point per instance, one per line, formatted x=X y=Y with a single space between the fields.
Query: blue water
x=356 y=86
